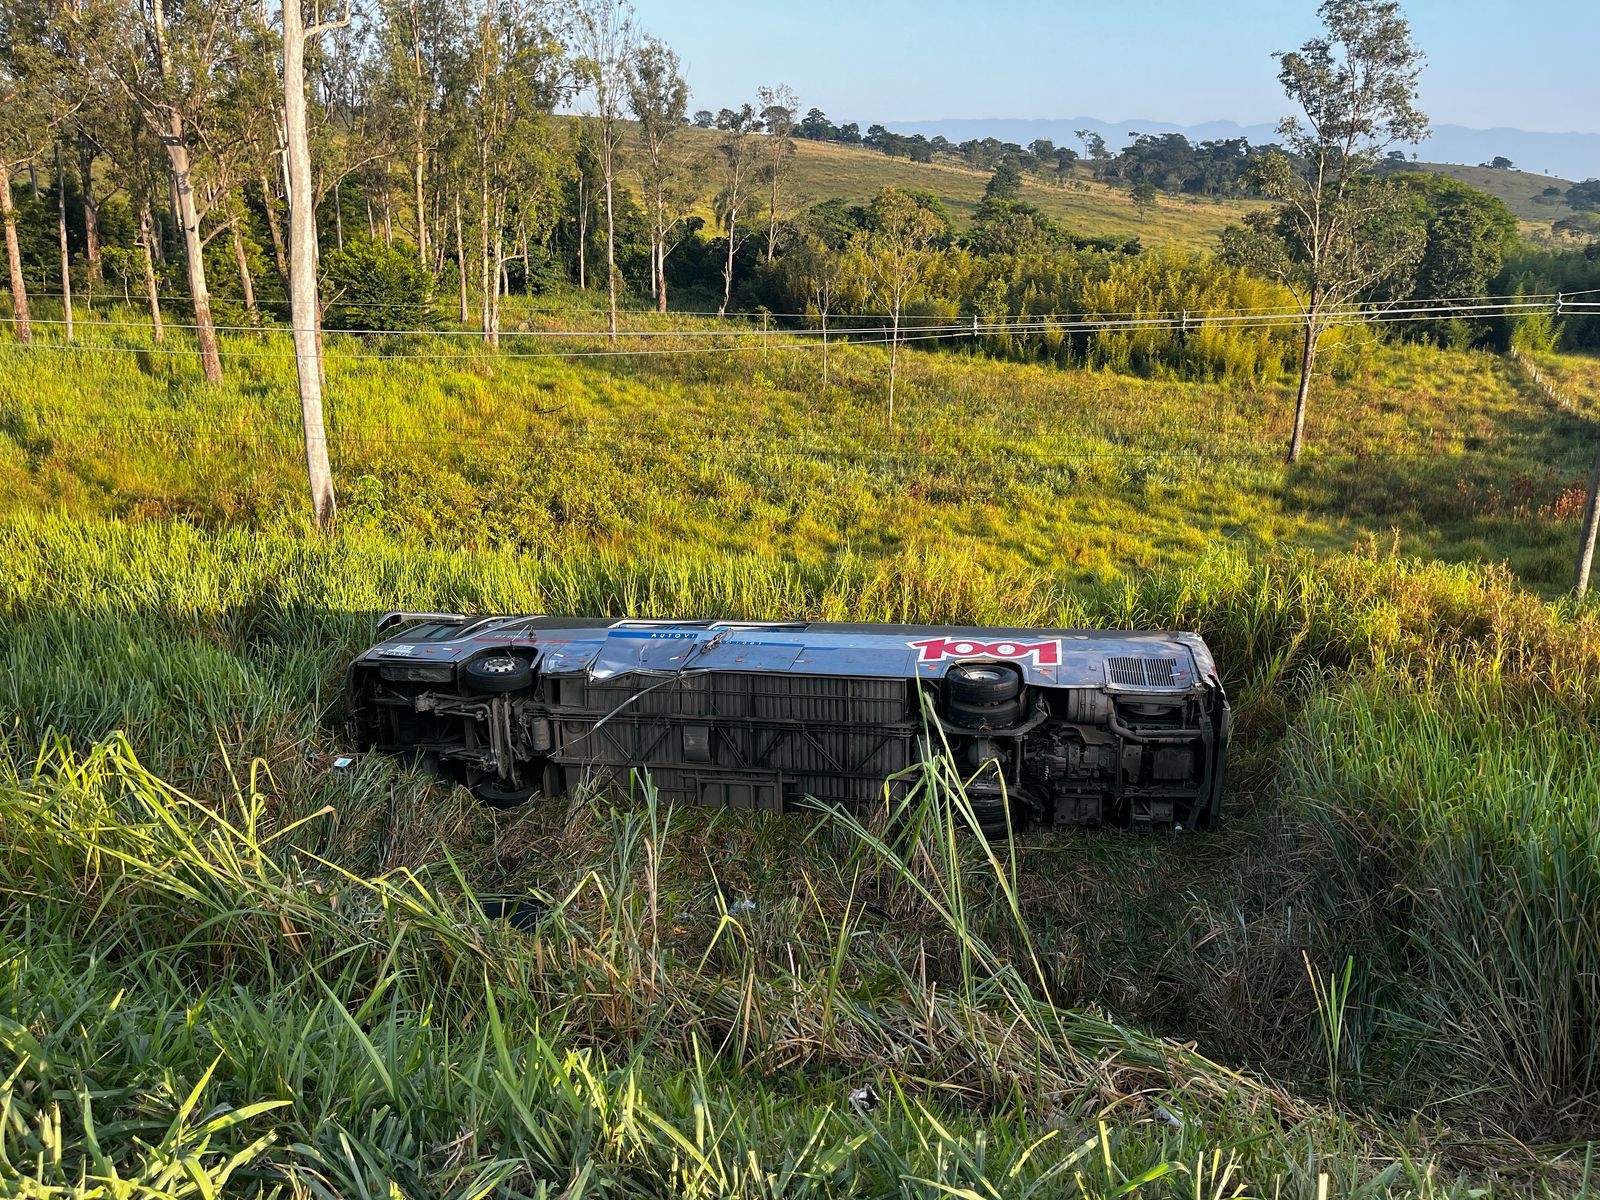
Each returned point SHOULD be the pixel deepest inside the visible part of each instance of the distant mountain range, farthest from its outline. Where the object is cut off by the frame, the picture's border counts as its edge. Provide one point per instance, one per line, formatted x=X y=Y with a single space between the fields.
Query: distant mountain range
x=1563 y=155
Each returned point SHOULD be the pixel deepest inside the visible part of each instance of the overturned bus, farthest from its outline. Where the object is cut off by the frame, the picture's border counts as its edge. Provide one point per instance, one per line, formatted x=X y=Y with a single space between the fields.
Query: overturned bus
x=1054 y=727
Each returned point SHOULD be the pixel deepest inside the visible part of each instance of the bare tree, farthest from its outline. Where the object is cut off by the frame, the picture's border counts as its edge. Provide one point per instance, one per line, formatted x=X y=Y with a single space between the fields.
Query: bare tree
x=737 y=153
x=778 y=108
x=658 y=94
x=605 y=45
x=1339 y=233
x=303 y=309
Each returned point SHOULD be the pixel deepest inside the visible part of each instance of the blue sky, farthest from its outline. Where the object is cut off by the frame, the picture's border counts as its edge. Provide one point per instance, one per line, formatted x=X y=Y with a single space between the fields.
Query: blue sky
x=1529 y=64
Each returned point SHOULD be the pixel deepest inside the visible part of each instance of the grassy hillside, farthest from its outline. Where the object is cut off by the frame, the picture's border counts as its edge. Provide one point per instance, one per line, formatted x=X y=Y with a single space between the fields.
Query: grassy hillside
x=740 y=450
x=1089 y=208
x=1520 y=190
x=220 y=948
x=825 y=169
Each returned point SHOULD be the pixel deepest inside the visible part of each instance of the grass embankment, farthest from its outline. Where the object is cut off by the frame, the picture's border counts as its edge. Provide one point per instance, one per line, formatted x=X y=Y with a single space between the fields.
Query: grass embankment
x=660 y=1029
x=689 y=1008
x=743 y=451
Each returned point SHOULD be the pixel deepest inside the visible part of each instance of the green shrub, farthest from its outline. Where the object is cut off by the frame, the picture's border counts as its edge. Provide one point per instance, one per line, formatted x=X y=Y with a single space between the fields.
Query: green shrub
x=369 y=286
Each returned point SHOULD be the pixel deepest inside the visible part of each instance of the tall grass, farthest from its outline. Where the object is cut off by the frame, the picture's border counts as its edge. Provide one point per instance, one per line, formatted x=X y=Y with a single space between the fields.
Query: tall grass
x=210 y=649
x=202 y=916
x=210 y=995
x=1468 y=816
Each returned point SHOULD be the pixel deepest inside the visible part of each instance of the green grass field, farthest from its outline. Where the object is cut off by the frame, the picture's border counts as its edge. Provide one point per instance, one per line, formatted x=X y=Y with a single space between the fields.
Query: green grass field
x=224 y=962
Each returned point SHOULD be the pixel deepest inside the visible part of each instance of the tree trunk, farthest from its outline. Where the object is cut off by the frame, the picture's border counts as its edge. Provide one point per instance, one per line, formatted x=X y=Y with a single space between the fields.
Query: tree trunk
x=338 y=217
x=894 y=360
x=486 y=276
x=91 y=210
x=527 y=275
x=439 y=239
x=727 y=267
x=461 y=261
x=661 y=275
x=274 y=228
x=193 y=248
x=1308 y=357
x=303 y=266
x=824 y=346
x=147 y=237
x=61 y=229
x=1591 y=527
x=372 y=228
x=583 y=239
x=388 y=220
x=419 y=157
x=772 y=221
x=19 y=286
x=418 y=170
x=611 y=252
x=246 y=284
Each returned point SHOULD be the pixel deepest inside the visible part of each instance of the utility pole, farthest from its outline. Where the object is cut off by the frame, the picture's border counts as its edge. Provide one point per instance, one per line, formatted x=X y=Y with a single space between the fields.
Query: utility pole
x=303 y=256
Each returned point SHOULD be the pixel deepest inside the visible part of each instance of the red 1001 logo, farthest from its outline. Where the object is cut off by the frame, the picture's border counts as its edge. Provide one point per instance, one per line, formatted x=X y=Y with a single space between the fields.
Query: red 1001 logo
x=1044 y=654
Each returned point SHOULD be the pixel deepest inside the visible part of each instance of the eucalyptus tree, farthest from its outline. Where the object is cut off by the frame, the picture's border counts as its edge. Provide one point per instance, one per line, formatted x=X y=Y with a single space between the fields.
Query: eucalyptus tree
x=1339 y=233
x=23 y=132
x=892 y=260
x=738 y=156
x=518 y=73
x=175 y=61
x=605 y=44
x=419 y=45
x=778 y=106
x=658 y=96
x=304 y=311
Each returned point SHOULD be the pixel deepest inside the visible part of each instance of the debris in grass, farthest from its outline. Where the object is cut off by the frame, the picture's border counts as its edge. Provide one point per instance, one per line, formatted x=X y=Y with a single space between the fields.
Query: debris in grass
x=520 y=912
x=865 y=1099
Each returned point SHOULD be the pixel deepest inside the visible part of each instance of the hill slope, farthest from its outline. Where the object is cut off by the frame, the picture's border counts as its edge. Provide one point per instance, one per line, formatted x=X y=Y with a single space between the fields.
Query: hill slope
x=824 y=170
x=739 y=450
x=1522 y=191
x=1090 y=209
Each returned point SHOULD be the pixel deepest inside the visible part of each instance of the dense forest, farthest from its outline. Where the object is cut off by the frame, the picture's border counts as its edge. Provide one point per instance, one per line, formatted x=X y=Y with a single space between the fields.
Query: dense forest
x=462 y=154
